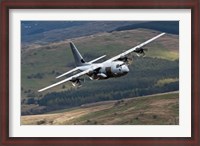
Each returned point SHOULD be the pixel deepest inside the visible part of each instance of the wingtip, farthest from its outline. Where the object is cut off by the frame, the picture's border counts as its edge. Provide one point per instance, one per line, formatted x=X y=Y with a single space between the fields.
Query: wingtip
x=58 y=77
x=39 y=90
x=163 y=33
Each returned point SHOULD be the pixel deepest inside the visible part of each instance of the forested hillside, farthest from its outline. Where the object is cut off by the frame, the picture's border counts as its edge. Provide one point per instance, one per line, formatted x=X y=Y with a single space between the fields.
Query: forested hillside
x=158 y=109
x=144 y=79
x=163 y=26
x=44 y=32
x=157 y=72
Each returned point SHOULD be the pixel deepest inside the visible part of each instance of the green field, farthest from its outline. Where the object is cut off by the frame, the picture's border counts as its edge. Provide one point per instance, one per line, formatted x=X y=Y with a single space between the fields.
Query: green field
x=158 y=109
x=157 y=72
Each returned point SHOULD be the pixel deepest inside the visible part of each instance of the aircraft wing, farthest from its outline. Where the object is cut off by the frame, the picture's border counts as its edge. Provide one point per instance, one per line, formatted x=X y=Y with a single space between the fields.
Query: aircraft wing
x=71 y=78
x=73 y=70
x=134 y=48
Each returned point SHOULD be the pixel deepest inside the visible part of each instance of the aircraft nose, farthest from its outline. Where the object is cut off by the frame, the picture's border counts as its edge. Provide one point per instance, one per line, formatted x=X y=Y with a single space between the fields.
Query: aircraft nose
x=126 y=69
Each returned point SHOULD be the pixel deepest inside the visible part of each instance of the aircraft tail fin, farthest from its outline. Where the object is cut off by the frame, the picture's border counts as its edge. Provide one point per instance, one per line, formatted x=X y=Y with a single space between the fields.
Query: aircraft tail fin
x=77 y=56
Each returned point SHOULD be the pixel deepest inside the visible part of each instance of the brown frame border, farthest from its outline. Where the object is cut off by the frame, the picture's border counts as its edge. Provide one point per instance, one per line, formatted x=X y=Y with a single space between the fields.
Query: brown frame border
x=101 y=4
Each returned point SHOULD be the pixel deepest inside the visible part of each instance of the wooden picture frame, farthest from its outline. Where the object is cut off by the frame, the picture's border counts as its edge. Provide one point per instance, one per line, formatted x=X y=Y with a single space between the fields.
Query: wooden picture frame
x=103 y=4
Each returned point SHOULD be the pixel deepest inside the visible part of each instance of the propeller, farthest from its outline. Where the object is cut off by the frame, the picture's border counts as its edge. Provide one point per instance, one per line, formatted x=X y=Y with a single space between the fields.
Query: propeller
x=127 y=60
x=77 y=82
x=140 y=51
x=130 y=59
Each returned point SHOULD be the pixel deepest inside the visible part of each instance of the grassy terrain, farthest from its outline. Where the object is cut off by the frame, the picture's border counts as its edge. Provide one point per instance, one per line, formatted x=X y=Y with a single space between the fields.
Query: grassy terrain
x=43 y=32
x=55 y=59
x=166 y=81
x=158 y=109
x=40 y=64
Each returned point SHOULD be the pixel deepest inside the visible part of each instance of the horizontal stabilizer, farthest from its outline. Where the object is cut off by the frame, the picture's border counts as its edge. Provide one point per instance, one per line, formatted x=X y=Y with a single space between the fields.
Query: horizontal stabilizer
x=97 y=59
x=73 y=70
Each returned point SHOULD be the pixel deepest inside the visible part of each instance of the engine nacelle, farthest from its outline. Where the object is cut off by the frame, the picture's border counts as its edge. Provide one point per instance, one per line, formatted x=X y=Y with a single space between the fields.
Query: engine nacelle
x=98 y=76
x=76 y=82
x=140 y=51
x=123 y=58
x=101 y=76
x=90 y=73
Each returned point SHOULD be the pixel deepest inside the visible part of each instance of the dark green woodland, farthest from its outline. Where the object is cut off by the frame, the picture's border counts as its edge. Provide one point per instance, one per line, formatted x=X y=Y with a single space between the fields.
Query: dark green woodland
x=157 y=72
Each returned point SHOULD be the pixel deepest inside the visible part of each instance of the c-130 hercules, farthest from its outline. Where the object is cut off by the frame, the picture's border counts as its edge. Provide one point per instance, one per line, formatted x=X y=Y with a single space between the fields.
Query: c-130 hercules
x=114 y=67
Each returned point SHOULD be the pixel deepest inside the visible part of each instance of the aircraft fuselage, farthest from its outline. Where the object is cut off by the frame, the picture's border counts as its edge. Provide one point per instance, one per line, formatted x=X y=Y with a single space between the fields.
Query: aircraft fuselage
x=108 y=70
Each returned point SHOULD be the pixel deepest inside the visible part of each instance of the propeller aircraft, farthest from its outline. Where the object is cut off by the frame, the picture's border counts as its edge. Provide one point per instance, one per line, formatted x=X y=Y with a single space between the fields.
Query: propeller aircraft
x=114 y=67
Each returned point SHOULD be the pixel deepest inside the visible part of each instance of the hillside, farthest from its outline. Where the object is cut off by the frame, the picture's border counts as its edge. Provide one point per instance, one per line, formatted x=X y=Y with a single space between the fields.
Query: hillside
x=160 y=109
x=41 y=63
x=44 y=32
x=163 y=26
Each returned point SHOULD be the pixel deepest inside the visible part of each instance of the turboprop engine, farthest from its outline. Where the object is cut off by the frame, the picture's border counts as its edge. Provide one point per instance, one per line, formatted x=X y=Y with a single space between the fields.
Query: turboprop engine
x=98 y=76
x=76 y=82
x=140 y=51
x=101 y=76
